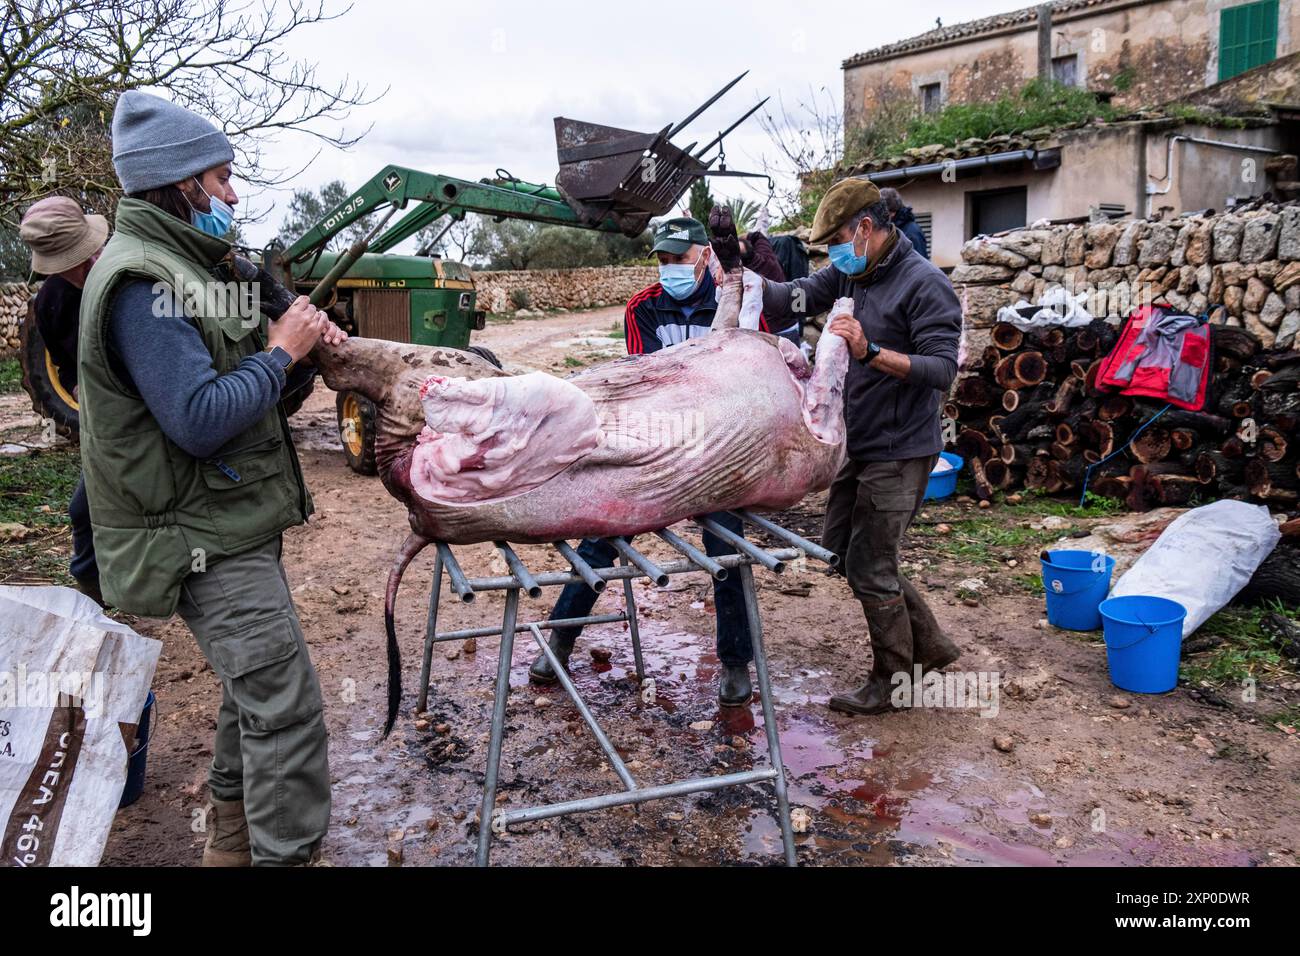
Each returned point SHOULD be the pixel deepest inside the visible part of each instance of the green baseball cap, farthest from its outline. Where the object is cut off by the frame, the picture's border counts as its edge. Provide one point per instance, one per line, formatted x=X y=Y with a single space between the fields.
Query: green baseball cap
x=675 y=236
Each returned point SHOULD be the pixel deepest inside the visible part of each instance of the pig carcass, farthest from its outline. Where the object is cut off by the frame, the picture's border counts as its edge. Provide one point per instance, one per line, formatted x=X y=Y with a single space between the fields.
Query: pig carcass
x=737 y=418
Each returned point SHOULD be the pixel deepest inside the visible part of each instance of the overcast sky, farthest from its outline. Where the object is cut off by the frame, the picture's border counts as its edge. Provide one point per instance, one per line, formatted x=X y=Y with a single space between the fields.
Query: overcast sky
x=475 y=85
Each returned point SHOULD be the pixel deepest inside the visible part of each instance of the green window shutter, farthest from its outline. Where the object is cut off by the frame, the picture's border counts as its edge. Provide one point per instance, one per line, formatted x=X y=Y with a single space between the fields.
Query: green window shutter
x=1247 y=37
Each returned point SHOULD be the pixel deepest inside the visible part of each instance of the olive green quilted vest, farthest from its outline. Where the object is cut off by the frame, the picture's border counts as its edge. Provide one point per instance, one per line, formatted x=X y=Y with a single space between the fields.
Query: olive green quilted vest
x=158 y=512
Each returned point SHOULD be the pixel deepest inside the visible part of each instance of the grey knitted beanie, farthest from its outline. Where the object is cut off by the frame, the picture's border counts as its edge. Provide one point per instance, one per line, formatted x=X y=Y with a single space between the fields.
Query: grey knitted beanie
x=156 y=143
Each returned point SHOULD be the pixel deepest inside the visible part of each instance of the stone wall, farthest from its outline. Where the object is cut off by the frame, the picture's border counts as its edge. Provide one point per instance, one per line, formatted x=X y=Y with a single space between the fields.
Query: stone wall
x=547 y=289
x=1242 y=268
x=13 y=309
x=563 y=288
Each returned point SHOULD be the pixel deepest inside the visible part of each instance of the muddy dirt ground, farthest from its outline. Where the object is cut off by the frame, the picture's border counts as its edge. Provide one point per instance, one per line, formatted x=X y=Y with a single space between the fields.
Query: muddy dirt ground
x=1067 y=772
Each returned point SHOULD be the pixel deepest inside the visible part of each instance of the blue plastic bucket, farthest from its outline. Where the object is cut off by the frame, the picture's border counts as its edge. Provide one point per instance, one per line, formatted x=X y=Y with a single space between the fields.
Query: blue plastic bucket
x=944 y=483
x=136 y=762
x=1076 y=582
x=1144 y=637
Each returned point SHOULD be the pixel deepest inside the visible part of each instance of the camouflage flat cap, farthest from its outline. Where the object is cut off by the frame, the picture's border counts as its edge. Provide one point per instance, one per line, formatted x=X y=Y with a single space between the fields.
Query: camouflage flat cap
x=841 y=203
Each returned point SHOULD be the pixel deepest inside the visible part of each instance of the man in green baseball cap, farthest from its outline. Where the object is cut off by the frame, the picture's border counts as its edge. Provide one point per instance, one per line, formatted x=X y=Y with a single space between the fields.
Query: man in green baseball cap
x=903 y=333
x=678 y=307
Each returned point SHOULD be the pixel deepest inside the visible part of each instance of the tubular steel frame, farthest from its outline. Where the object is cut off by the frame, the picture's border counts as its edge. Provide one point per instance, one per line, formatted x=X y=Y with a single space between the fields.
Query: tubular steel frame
x=631 y=564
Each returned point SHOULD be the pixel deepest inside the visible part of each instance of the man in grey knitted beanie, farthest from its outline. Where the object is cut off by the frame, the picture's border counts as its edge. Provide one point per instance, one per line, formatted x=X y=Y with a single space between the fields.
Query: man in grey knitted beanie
x=192 y=476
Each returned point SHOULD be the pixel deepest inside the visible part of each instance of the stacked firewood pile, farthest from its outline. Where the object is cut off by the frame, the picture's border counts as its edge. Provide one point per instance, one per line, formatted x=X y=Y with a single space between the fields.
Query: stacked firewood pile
x=1028 y=415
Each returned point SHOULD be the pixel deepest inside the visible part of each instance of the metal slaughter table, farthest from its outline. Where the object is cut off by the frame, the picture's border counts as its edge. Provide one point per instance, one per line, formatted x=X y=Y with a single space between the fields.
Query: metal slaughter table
x=632 y=564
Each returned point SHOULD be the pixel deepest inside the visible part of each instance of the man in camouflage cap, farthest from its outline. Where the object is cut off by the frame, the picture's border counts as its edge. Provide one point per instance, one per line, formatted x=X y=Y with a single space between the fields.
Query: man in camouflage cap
x=903 y=336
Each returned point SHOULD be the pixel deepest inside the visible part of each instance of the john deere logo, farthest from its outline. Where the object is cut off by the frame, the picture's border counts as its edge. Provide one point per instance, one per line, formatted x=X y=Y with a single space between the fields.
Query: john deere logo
x=392 y=181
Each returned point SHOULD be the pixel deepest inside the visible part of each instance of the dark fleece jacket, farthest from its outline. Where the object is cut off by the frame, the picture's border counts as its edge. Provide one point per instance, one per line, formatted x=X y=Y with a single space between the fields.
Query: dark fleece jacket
x=907 y=305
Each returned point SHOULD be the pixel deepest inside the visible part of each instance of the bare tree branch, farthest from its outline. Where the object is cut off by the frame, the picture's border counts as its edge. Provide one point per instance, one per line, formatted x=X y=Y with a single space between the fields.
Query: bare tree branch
x=63 y=64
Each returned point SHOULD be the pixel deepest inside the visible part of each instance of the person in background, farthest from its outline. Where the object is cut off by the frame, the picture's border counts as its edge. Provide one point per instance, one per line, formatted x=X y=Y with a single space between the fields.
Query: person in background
x=792 y=254
x=65 y=244
x=901 y=216
x=192 y=475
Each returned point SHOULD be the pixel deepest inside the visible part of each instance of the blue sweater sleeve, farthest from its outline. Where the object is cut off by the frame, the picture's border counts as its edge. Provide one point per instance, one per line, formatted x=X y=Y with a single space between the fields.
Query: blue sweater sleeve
x=168 y=363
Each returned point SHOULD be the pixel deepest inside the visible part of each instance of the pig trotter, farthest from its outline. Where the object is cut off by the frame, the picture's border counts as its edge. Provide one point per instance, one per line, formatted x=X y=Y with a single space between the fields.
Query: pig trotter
x=723 y=238
x=410 y=548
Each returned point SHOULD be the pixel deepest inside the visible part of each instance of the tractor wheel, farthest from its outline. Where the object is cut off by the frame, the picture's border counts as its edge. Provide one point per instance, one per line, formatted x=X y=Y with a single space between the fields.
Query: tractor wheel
x=486 y=354
x=356 y=415
x=41 y=380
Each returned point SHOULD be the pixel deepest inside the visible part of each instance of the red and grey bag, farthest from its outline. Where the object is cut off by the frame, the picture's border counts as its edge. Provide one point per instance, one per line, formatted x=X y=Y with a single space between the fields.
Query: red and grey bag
x=1160 y=354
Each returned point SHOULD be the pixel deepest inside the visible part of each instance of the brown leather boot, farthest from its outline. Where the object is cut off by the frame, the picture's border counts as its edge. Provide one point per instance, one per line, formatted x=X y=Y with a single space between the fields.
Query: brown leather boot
x=930 y=648
x=227 y=834
x=891 y=649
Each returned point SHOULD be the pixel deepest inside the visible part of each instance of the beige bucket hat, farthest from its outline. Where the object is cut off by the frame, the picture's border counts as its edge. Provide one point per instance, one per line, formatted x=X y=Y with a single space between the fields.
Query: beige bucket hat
x=61 y=235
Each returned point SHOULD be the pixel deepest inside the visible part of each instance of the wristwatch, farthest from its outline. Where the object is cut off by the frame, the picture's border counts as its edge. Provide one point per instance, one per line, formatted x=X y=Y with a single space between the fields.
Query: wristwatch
x=872 y=351
x=281 y=358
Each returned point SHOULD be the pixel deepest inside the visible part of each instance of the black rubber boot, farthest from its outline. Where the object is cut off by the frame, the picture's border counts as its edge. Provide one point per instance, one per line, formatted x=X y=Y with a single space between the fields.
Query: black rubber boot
x=561 y=642
x=89 y=586
x=891 y=648
x=734 y=688
x=930 y=648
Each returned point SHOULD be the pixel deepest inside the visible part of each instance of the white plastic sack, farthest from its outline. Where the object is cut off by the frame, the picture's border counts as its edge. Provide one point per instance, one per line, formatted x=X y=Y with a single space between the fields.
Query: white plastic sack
x=1203 y=558
x=1056 y=307
x=63 y=759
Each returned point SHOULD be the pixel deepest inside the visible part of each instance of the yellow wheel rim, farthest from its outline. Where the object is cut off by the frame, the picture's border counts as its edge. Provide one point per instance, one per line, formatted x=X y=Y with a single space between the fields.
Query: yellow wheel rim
x=52 y=375
x=351 y=426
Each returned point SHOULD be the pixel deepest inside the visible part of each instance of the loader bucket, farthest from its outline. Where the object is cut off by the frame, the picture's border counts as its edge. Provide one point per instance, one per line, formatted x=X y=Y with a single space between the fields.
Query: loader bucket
x=620 y=173
x=631 y=177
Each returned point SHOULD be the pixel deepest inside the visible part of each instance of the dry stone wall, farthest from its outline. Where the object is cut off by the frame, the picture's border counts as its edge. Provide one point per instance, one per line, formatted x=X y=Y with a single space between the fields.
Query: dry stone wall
x=546 y=289
x=1242 y=268
x=13 y=309
x=563 y=288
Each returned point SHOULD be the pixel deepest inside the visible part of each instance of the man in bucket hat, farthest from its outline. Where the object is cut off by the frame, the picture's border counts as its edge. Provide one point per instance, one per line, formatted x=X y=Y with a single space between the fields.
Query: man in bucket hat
x=65 y=243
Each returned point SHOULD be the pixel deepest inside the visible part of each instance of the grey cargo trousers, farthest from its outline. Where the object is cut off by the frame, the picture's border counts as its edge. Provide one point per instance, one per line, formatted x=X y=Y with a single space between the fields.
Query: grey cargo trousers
x=870 y=506
x=271 y=746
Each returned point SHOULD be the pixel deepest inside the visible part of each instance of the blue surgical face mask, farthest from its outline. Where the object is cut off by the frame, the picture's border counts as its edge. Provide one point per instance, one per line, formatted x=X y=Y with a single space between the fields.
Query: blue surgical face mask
x=678 y=280
x=215 y=223
x=844 y=259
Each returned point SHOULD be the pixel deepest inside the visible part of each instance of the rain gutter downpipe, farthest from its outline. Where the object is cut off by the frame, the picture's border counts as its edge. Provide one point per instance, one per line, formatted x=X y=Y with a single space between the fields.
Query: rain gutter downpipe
x=1151 y=189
